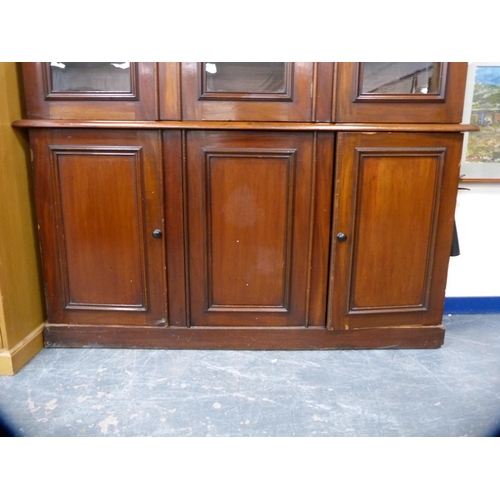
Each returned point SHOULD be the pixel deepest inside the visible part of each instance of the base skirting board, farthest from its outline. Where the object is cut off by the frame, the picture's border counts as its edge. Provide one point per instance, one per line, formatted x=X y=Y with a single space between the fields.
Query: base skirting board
x=472 y=305
x=12 y=360
x=409 y=337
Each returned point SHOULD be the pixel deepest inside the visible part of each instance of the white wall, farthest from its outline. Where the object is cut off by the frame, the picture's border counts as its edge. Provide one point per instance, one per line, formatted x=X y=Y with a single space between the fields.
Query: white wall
x=476 y=271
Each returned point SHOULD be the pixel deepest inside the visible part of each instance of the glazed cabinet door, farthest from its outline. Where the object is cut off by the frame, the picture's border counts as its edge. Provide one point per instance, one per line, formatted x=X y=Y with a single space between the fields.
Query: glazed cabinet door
x=257 y=235
x=90 y=90
x=99 y=206
x=394 y=210
x=400 y=92
x=255 y=91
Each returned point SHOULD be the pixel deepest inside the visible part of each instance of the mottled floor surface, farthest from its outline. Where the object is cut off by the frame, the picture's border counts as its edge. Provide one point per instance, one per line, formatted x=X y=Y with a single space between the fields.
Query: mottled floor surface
x=451 y=391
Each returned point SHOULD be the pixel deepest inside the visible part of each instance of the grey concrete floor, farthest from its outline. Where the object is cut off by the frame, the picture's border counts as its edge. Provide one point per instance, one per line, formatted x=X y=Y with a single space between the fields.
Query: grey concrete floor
x=451 y=391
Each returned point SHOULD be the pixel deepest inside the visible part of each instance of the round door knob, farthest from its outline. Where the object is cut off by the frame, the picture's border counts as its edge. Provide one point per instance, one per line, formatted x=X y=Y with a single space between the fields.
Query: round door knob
x=341 y=237
x=157 y=233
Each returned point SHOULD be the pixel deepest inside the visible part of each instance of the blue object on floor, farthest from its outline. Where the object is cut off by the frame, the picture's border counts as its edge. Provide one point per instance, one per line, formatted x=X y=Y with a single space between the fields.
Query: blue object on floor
x=472 y=305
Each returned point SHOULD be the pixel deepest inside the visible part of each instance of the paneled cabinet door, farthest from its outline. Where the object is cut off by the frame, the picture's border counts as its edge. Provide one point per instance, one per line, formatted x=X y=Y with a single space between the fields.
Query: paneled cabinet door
x=400 y=92
x=99 y=206
x=253 y=240
x=256 y=91
x=395 y=198
x=90 y=90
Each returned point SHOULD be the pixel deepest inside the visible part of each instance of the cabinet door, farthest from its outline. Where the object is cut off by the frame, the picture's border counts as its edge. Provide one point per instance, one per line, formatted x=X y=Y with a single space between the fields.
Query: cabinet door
x=250 y=227
x=90 y=90
x=400 y=92
x=99 y=201
x=395 y=199
x=247 y=91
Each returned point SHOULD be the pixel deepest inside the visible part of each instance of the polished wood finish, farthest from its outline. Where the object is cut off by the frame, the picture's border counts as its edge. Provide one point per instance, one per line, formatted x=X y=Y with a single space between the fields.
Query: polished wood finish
x=250 y=200
x=391 y=269
x=176 y=226
x=99 y=199
x=141 y=106
x=295 y=106
x=323 y=91
x=250 y=192
x=428 y=337
x=320 y=217
x=276 y=126
x=317 y=165
x=445 y=107
x=170 y=85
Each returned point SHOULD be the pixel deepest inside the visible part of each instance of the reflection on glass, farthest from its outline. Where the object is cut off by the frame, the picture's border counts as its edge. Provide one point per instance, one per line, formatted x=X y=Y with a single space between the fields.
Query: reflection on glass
x=90 y=77
x=484 y=146
x=400 y=78
x=248 y=77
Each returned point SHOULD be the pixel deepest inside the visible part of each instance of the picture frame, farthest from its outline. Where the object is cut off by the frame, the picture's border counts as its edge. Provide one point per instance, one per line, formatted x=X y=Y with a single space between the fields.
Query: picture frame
x=481 y=150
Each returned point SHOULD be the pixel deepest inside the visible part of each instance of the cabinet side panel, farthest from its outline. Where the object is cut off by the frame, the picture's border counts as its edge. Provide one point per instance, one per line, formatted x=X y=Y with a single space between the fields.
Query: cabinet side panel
x=21 y=309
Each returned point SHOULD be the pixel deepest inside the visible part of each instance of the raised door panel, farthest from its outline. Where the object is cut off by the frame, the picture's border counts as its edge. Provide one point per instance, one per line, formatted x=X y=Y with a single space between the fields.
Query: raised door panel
x=400 y=92
x=249 y=215
x=90 y=91
x=393 y=228
x=99 y=200
x=248 y=91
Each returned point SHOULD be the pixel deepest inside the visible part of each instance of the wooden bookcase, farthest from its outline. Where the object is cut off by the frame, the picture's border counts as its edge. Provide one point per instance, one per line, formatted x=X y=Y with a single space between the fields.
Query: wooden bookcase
x=245 y=205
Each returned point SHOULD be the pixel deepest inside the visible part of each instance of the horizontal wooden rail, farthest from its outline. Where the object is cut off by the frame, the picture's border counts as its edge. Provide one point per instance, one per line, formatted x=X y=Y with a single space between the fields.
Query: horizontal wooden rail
x=228 y=125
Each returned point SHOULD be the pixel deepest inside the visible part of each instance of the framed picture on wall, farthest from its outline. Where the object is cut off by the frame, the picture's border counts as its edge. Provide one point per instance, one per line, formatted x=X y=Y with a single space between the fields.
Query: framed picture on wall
x=481 y=152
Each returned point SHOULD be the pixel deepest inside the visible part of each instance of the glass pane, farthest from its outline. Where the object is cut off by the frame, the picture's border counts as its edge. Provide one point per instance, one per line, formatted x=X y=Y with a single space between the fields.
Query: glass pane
x=400 y=78
x=90 y=76
x=484 y=146
x=251 y=77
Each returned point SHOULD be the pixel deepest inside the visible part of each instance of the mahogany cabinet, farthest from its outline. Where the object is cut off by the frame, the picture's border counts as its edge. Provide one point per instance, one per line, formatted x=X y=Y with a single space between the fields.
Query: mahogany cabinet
x=245 y=205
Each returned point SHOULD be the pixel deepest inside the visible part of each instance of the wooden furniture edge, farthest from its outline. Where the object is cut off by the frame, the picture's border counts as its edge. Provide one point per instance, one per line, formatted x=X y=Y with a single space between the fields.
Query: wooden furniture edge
x=228 y=125
x=248 y=338
x=12 y=360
